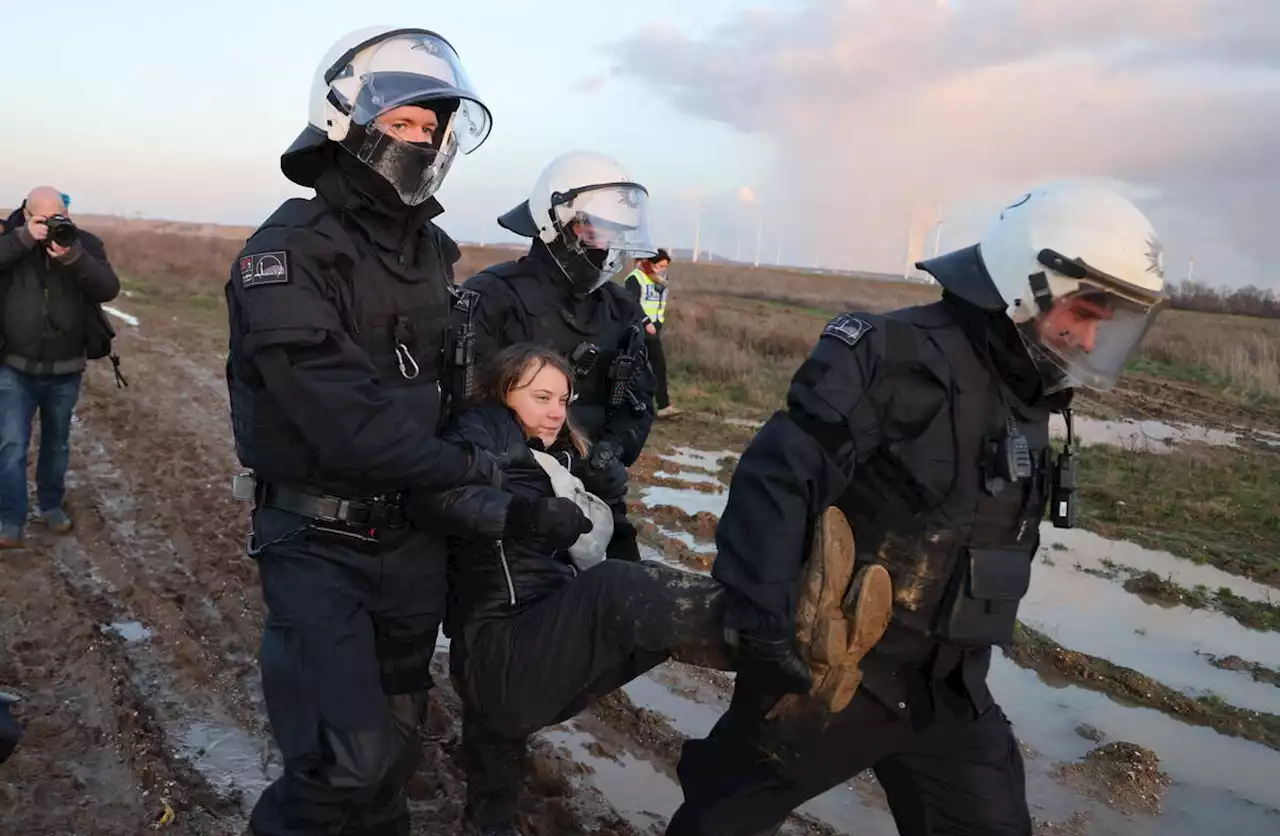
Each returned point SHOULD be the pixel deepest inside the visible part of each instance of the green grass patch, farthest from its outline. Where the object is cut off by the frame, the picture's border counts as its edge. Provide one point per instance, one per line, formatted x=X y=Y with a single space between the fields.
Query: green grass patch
x=1213 y=505
x=1185 y=373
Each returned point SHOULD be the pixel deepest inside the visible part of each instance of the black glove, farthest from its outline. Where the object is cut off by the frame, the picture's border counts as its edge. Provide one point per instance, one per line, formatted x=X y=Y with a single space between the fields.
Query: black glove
x=622 y=546
x=553 y=523
x=609 y=482
x=774 y=659
x=605 y=453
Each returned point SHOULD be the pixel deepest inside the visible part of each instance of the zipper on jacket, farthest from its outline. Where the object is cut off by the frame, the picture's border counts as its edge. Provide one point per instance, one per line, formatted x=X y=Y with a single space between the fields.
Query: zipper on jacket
x=506 y=570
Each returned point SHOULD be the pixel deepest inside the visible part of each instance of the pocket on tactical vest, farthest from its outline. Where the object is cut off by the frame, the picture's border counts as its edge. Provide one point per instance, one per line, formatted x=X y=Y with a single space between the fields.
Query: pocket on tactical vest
x=982 y=605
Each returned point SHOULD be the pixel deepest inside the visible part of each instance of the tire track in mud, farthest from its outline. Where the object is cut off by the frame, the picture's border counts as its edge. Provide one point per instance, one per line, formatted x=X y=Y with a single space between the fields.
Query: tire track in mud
x=92 y=758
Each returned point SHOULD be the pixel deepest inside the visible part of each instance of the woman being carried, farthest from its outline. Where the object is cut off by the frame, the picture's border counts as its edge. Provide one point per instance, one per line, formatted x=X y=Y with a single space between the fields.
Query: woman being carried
x=540 y=623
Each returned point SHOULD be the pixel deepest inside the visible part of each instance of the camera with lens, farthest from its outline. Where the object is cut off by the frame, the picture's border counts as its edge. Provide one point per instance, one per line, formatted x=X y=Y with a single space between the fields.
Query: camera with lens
x=61 y=230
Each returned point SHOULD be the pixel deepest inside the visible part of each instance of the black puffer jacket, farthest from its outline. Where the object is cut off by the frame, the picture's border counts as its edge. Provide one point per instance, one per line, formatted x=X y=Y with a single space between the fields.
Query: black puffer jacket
x=490 y=577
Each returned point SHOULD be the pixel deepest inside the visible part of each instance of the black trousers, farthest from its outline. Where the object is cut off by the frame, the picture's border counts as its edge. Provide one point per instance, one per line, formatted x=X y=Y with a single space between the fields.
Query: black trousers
x=959 y=774
x=345 y=656
x=543 y=665
x=658 y=360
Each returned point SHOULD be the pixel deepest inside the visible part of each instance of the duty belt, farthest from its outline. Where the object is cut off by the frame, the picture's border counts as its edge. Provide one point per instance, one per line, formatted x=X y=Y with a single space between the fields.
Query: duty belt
x=377 y=512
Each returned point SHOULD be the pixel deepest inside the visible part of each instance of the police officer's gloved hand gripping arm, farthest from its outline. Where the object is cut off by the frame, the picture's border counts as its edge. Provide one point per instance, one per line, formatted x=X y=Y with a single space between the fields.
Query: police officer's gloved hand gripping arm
x=799 y=464
x=550 y=523
x=324 y=383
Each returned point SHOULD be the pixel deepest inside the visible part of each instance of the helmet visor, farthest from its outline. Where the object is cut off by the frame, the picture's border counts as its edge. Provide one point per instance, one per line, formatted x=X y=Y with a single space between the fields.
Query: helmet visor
x=613 y=216
x=601 y=226
x=1086 y=337
x=415 y=170
x=413 y=69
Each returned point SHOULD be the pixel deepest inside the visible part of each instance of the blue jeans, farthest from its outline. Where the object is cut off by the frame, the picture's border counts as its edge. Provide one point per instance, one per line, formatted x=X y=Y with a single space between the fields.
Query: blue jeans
x=20 y=396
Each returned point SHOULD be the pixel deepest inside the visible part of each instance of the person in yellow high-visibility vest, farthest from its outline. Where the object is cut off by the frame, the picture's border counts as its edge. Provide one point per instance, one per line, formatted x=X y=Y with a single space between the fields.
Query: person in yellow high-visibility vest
x=648 y=283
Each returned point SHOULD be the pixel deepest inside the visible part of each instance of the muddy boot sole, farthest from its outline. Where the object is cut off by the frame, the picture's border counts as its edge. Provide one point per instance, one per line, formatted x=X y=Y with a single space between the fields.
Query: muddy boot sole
x=840 y=616
x=828 y=573
x=868 y=608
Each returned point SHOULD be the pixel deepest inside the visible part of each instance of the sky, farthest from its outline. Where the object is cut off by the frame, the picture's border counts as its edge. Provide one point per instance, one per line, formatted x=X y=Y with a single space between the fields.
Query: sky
x=831 y=133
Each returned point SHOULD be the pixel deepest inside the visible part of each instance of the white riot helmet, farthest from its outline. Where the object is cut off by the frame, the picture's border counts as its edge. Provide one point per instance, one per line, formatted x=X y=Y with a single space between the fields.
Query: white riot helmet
x=589 y=213
x=371 y=71
x=1079 y=269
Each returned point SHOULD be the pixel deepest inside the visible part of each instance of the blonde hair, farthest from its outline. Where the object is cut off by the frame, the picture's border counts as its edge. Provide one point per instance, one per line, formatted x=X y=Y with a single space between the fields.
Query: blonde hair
x=502 y=373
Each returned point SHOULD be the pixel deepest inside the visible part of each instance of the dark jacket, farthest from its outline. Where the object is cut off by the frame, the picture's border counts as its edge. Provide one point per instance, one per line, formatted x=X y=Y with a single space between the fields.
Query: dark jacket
x=893 y=419
x=339 y=312
x=45 y=301
x=490 y=577
x=530 y=300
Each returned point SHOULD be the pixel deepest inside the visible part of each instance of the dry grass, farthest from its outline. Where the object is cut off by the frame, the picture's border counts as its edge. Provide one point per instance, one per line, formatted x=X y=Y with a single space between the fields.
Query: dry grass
x=795 y=287
x=736 y=333
x=1238 y=354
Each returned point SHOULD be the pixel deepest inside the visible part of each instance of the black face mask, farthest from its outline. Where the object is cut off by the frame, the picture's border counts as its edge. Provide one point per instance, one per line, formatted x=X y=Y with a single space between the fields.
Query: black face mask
x=582 y=268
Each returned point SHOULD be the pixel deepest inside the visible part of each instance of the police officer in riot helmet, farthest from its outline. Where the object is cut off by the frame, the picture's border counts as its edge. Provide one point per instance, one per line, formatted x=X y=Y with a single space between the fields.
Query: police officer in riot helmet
x=928 y=429
x=586 y=217
x=345 y=337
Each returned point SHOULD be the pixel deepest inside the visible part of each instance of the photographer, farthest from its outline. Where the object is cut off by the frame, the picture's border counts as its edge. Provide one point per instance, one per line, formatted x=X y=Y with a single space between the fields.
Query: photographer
x=51 y=274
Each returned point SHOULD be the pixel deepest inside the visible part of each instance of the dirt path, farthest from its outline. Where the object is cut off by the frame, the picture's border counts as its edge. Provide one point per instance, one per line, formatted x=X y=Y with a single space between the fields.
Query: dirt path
x=1142 y=397
x=133 y=641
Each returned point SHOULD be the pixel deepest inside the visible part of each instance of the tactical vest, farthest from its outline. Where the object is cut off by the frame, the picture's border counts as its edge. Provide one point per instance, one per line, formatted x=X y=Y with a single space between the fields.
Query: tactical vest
x=653 y=296
x=403 y=325
x=957 y=540
x=543 y=320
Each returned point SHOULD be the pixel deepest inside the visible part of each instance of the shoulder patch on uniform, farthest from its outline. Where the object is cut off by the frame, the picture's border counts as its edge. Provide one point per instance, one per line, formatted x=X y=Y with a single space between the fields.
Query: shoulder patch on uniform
x=264 y=268
x=847 y=328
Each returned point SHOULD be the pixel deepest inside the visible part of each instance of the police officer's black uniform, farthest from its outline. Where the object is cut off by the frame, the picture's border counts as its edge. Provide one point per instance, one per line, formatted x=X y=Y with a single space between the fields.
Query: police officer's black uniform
x=339 y=313
x=531 y=300
x=928 y=427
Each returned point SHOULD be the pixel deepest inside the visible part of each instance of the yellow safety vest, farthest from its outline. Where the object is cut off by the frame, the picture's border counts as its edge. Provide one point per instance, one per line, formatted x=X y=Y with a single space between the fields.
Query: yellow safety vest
x=653 y=296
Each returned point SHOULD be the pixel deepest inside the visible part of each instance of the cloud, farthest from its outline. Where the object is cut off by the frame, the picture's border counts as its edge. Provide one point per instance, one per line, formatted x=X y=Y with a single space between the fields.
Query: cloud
x=879 y=108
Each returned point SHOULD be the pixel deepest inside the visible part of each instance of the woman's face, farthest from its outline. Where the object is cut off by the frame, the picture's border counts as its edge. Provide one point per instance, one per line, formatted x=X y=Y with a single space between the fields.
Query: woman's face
x=541 y=400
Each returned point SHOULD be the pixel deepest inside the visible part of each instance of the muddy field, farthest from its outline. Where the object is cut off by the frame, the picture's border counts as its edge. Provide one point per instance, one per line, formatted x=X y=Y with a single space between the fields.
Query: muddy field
x=133 y=643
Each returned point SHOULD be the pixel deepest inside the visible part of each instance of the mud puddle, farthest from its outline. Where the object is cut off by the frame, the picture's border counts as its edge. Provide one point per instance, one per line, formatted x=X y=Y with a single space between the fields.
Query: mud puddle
x=690 y=707
x=130 y=631
x=648 y=552
x=857 y=807
x=690 y=501
x=1097 y=616
x=1091 y=551
x=1144 y=436
x=233 y=761
x=639 y=789
x=690 y=476
x=691 y=457
x=691 y=542
x=1220 y=784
